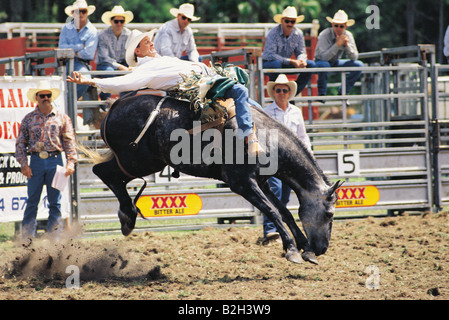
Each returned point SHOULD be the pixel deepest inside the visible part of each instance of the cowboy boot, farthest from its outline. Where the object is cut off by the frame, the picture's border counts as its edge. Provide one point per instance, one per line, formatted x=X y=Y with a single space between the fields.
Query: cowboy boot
x=254 y=147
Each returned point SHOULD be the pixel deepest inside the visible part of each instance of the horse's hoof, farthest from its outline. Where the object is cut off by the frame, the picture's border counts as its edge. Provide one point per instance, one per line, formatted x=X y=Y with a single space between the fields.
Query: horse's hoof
x=127 y=223
x=309 y=256
x=293 y=256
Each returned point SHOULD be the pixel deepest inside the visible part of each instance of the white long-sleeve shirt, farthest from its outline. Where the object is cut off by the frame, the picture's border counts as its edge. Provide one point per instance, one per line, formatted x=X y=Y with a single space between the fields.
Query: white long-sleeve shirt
x=160 y=73
x=292 y=118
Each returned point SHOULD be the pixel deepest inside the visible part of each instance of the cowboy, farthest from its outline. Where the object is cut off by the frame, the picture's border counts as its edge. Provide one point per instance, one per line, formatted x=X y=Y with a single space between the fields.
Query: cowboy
x=80 y=35
x=165 y=73
x=332 y=43
x=282 y=42
x=282 y=91
x=176 y=37
x=112 y=40
x=44 y=134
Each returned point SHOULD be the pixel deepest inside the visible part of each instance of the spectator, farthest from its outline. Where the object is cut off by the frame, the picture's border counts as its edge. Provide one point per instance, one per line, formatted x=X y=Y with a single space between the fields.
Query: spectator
x=282 y=91
x=282 y=42
x=44 y=134
x=332 y=43
x=80 y=35
x=176 y=37
x=111 y=42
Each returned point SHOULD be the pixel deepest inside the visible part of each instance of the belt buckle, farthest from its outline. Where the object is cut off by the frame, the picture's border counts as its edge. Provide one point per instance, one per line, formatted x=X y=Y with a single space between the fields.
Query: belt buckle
x=43 y=155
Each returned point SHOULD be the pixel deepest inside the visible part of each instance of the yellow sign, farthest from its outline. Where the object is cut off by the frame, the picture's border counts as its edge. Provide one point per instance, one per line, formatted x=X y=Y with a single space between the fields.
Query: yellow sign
x=167 y=205
x=357 y=196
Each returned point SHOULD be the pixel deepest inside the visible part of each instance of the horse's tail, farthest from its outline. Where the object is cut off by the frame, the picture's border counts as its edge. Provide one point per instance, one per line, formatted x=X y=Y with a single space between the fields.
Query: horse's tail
x=94 y=156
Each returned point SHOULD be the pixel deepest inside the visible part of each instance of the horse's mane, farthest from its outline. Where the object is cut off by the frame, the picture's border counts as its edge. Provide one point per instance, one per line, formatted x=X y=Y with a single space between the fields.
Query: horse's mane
x=300 y=144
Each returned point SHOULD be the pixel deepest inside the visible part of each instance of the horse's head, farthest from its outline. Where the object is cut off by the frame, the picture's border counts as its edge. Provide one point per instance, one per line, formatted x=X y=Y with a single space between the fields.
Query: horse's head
x=316 y=214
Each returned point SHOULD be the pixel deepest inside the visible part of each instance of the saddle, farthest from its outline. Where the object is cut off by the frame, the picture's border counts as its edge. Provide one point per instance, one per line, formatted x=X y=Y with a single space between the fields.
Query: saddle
x=215 y=117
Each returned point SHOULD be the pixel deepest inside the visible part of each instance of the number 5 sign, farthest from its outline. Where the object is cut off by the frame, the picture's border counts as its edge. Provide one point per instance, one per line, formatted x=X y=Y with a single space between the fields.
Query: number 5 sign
x=348 y=163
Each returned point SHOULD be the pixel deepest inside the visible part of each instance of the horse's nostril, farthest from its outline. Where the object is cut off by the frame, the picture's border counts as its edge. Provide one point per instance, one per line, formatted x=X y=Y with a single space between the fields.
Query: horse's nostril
x=324 y=250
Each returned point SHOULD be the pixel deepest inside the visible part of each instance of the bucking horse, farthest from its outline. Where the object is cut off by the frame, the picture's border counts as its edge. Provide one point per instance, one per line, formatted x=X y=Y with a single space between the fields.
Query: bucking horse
x=141 y=148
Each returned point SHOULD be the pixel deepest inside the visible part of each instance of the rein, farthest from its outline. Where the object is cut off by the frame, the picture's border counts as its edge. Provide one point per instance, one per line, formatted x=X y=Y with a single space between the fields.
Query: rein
x=150 y=120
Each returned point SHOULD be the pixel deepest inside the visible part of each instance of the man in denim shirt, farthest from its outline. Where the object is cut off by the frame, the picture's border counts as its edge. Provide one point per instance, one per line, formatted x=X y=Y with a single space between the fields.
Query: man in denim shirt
x=282 y=42
x=111 y=53
x=175 y=36
x=80 y=35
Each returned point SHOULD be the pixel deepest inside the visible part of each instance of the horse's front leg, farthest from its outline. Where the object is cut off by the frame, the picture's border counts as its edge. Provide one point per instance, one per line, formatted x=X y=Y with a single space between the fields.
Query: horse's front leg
x=251 y=192
x=301 y=240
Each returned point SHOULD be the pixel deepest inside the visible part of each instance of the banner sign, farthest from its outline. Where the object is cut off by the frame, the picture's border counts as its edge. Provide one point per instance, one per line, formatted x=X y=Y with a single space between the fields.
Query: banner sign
x=168 y=205
x=14 y=105
x=357 y=196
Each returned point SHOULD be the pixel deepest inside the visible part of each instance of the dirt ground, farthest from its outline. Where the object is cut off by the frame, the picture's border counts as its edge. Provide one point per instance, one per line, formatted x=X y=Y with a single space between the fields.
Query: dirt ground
x=405 y=257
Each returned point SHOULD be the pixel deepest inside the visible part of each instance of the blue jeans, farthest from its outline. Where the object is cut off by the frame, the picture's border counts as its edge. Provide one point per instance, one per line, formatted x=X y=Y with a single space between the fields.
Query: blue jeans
x=43 y=172
x=239 y=93
x=81 y=67
x=186 y=57
x=108 y=67
x=104 y=67
x=301 y=81
x=351 y=77
x=282 y=192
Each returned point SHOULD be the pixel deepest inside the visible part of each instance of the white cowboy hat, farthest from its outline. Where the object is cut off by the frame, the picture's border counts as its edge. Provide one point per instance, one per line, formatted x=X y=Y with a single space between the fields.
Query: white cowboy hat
x=341 y=17
x=282 y=79
x=185 y=9
x=43 y=85
x=79 y=4
x=117 y=11
x=289 y=12
x=133 y=41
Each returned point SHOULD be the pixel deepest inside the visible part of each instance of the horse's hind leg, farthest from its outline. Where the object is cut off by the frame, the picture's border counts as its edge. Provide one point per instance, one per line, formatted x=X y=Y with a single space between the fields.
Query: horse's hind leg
x=113 y=177
x=251 y=192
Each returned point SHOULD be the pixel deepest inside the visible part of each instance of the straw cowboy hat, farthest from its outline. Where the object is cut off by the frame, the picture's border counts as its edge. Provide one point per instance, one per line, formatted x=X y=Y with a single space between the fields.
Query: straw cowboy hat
x=282 y=79
x=79 y=4
x=289 y=12
x=43 y=85
x=341 y=17
x=133 y=41
x=117 y=11
x=185 y=9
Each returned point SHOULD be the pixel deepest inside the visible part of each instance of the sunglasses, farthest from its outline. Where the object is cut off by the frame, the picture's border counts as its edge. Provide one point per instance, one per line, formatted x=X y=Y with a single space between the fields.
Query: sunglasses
x=84 y=11
x=285 y=91
x=339 y=26
x=119 y=21
x=293 y=21
x=43 y=96
x=185 y=18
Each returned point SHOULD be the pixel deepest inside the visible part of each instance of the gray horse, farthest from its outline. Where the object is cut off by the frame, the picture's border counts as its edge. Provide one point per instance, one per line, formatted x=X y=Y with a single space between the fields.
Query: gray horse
x=294 y=165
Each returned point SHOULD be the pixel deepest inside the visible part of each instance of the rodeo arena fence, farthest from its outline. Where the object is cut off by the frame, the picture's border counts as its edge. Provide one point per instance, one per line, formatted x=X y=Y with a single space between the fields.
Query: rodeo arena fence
x=388 y=139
